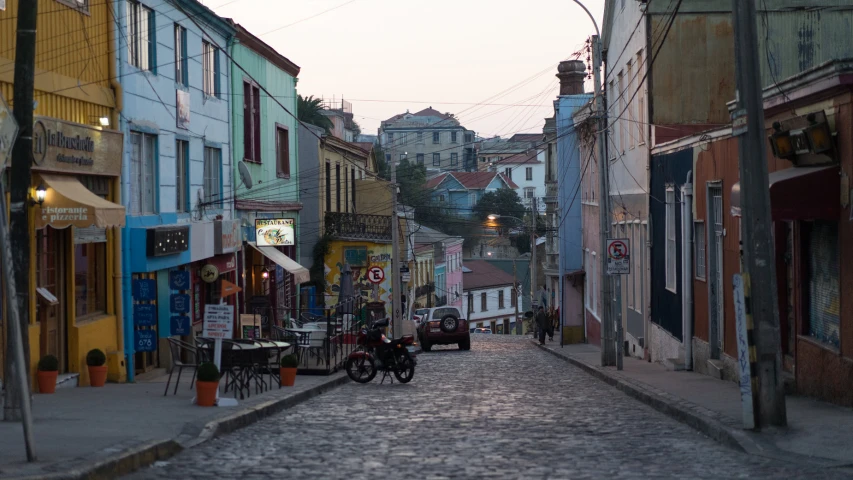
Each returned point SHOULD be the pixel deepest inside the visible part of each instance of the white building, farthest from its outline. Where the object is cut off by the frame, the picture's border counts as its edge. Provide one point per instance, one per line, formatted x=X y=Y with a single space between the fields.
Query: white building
x=488 y=300
x=527 y=170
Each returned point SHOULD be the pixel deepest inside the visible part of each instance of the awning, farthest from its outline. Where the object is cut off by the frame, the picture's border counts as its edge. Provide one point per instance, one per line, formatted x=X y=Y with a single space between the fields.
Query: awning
x=300 y=273
x=801 y=193
x=69 y=203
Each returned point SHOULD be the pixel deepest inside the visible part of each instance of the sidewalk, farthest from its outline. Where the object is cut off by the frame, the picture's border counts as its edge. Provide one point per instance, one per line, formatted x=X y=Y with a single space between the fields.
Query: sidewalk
x=106 y=432
x=818 y=433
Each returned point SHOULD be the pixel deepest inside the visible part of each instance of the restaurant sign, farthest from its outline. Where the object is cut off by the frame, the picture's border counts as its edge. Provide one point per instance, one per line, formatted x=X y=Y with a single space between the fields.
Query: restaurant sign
x=227 y=236
x=274 y=232
x=60 y=146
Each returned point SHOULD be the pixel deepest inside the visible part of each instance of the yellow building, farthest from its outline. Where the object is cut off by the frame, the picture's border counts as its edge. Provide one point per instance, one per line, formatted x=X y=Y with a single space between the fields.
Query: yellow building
x=75 y=248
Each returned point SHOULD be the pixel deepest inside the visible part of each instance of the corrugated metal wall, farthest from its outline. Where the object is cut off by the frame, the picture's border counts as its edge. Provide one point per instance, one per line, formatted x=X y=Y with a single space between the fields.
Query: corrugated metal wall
x=70 y=45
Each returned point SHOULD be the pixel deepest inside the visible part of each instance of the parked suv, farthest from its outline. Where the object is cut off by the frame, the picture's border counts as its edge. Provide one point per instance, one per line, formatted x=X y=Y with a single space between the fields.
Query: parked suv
x=443 y=326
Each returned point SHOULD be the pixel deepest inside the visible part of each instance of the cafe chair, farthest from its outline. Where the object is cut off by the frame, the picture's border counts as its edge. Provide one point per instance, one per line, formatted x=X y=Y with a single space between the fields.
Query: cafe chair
x=179 y=349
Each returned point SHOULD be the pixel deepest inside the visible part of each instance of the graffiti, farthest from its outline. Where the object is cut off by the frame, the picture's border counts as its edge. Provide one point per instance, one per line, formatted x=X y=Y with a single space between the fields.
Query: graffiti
x=745 y=373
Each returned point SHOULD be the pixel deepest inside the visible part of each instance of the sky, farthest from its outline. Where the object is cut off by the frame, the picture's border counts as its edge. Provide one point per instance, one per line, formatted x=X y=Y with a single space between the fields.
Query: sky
x=491 y=62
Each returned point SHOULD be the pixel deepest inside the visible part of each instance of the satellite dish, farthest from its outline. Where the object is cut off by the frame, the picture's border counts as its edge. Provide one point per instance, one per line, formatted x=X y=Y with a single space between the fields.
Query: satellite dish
x=245 y=175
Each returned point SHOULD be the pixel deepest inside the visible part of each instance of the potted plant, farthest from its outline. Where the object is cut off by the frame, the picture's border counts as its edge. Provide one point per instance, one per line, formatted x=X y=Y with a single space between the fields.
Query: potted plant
x=96 y=361
x=287 y=372
x=206 y=385
x=48 y=370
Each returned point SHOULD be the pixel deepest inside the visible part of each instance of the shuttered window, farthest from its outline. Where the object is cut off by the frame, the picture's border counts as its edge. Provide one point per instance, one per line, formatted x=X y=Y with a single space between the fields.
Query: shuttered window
x=251 y=122
x=823 y=302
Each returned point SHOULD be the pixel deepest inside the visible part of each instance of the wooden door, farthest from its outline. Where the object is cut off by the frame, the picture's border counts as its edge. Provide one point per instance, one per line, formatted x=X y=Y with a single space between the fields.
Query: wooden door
x=50 y=268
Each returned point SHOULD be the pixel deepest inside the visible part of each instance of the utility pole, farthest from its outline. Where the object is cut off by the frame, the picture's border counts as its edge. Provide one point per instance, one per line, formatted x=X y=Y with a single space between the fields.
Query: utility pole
x=20 y=179
x=608 y=353
x=396 y=299
x=518 y=329
x=758 y=247
x=533 y=255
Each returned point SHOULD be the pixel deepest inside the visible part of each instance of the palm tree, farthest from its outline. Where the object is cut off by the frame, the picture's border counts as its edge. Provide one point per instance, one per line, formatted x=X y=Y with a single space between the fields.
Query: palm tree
x=309 y=110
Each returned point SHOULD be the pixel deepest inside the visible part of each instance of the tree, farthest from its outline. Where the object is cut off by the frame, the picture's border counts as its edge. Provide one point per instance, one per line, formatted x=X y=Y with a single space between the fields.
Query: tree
x=506 y=203
x=383 y=170
x=411 y=177
x=310 y=110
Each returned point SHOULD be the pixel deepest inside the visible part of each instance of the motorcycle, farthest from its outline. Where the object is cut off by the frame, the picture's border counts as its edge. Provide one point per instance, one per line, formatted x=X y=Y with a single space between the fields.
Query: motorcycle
x=376 y=353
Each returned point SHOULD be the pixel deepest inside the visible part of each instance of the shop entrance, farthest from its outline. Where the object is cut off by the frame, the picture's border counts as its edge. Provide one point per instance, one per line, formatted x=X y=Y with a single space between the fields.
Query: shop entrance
x=50 y=312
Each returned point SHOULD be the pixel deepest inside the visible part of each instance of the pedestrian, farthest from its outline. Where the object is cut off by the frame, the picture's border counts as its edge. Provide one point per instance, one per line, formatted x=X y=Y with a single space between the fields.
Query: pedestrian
x=542 y=323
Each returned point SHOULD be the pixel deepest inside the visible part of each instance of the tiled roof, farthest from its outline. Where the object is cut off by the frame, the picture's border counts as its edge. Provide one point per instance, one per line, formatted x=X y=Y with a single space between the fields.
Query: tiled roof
x=366 y=146
x=427 y=112
x=435 y=181
x=483 y=275
x=471 y=180
x=526 y=137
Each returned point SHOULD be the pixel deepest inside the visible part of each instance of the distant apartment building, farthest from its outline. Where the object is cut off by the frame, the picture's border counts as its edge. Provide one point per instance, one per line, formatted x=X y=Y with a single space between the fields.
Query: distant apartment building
x=430 y=138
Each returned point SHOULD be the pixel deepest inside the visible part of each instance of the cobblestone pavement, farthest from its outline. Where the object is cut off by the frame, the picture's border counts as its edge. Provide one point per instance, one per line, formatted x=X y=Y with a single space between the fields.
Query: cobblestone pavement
x=505 y=409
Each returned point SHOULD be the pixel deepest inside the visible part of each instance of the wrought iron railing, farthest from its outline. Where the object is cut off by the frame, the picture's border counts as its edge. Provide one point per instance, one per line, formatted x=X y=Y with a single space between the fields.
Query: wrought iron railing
x=352 y=225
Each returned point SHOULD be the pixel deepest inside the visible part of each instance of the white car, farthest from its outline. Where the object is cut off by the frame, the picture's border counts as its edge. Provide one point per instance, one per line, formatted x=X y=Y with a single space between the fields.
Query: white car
x=482 y=330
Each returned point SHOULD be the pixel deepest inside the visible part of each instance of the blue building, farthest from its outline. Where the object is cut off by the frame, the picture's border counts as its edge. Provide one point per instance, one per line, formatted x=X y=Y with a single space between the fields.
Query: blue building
x=179 y=242
x=570 y=171
x=460 y=191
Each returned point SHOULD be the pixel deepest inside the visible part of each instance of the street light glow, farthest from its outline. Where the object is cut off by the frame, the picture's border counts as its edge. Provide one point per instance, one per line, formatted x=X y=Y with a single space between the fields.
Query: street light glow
x=493 y=216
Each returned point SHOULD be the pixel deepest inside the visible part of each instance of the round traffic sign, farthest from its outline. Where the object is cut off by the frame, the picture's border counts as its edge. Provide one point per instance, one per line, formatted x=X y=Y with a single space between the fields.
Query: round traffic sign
x=618 y=250
x=375 y=274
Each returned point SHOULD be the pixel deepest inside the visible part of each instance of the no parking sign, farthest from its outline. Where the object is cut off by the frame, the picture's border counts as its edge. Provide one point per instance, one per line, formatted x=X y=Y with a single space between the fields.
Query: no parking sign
x=618 y=256
x=375 y=274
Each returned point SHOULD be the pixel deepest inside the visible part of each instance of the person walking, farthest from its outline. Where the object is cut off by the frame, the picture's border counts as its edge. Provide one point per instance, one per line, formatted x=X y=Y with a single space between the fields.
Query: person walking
x=542 y=324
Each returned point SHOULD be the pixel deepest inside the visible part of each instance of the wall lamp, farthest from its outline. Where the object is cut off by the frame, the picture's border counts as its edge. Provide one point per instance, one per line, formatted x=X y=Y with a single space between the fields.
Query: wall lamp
x=40 y=194
x=265 y=273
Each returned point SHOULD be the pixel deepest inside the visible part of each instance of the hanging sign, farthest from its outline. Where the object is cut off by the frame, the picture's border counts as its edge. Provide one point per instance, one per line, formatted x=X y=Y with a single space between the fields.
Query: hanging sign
x=229 y=289
x=209 y=273
x=179 y=303
x=618 y=256
x=179 y=325
x=276 y=232
x=144 y=315
x=179 y=280
x=144 y=289
x=145 y=340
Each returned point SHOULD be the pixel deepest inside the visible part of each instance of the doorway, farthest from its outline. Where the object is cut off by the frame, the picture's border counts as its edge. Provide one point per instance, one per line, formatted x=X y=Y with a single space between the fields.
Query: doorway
x=716 y=295
x=50 y=268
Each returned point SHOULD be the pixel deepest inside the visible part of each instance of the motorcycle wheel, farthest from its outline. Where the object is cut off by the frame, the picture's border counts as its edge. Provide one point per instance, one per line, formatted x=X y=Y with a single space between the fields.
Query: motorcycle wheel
x=361 y=370
x=405 y=370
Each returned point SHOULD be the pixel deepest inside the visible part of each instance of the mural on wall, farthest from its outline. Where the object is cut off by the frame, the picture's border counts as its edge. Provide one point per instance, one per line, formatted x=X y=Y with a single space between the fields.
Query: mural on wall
x=360 y=258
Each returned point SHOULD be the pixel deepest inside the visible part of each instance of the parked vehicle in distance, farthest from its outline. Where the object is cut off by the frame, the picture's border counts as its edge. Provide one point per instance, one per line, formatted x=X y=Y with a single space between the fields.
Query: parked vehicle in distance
x=419 y=314
x=482 y=330
x=443 y=326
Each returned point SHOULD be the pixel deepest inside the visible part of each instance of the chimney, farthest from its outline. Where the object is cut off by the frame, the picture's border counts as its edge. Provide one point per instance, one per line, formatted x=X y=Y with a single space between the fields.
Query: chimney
x=571 y=74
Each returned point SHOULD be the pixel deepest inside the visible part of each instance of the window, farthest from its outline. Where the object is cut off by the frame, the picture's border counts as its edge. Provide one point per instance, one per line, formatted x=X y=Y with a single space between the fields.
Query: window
x=529 y=192
x=420 y=158
x=483 y=302
x=282 y=148
x=143 y=183
x=472 y=199
x=528 y=173
x=587 y=284
x=436 y=137
x=632 y=106
x=641 y=108
x=338 y=187
x=391 y=137
x=420 y=136
x=436 y=159
x=670 y=239
x=508 y=173
x=352 y=189
x=140 y=36
x=699 y=243
x=90 y=278
x=454 y=159
x=441 y=198
x=453 y=137
x=213 y=175
x=403 y=156
x=328 y=186
x=346 y=188
x=501 y=299
x=469 y=138
x=251 y=122
x=388 y=157
x=182 y=163
x=181 y=68
x=210 y=57
x=621 y=102
x=595 y=280
x=513 y=301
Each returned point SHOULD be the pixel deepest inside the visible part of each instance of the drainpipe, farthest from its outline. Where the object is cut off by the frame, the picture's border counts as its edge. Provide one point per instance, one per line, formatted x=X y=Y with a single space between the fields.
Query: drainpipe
x=117 y=237
x=687 y=268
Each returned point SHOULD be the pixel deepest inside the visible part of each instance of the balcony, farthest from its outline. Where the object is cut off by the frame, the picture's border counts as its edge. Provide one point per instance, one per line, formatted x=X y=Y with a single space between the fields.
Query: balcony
x=361 y=227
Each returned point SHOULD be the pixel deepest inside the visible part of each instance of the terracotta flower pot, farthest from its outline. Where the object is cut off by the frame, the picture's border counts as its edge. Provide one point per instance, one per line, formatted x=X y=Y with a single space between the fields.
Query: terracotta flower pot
x=97 y=376
x=205 y=393
x=47 y=381
x=287 y=376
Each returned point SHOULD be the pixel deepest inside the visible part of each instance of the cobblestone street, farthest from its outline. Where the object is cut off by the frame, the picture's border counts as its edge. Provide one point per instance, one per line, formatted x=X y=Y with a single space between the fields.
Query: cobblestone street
x=505 y=409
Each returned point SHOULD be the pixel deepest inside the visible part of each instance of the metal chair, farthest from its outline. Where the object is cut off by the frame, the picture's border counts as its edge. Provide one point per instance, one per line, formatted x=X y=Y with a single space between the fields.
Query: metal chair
x=177 y=347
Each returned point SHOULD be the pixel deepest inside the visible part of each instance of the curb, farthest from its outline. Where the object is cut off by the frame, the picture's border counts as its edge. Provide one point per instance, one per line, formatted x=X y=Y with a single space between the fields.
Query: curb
x=688 y=413
x=143 y=456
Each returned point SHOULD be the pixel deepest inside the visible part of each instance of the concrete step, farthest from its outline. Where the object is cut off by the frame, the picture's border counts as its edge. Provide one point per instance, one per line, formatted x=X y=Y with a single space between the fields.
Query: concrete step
x=715 y=369
x=674 y=364
x=67 y=380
